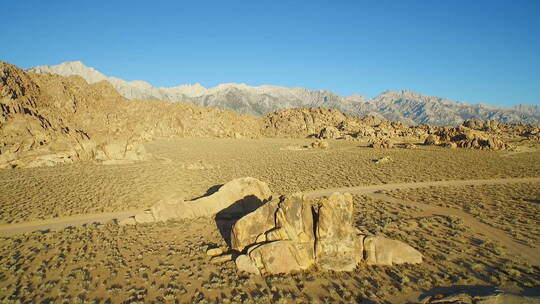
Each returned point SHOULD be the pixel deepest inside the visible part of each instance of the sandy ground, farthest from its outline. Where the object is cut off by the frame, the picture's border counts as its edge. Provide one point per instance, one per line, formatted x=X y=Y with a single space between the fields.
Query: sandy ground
x=195 y=165
x=465 y=244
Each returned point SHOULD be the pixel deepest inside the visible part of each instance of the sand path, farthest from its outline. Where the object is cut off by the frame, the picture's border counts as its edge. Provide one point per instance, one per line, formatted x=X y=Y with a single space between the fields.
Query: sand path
x=448 y=183
x=79 y=220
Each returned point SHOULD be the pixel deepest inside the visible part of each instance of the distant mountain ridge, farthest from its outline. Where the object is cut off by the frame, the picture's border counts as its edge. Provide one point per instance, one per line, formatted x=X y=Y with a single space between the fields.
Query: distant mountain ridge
x=405 y=106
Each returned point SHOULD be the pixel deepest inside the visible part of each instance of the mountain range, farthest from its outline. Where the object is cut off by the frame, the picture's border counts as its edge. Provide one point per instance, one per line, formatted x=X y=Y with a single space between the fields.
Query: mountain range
x=405 y=106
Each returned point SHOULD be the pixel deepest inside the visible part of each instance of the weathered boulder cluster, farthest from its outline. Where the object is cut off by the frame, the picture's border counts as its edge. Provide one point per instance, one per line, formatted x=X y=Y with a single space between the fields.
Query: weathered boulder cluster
x=326 y=123
x=287 y=234
x=330 y=124
x=463 y=137
x=294 y=233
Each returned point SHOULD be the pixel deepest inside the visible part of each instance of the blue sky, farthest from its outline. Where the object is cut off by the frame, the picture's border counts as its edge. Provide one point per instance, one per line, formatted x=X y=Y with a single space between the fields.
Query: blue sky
x=474 y=50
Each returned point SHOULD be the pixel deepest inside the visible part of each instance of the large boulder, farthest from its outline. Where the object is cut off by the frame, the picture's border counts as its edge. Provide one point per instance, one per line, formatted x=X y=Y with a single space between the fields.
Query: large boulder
x=431 y=140
x=239 y=196
x=252 y=228
x=282 y=256
x=381 y=143
x=329 y=133
x=337 y=247
x=382 y=251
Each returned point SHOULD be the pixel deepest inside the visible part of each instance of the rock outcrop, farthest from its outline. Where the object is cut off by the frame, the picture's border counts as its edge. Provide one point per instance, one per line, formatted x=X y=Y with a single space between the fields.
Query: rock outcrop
x=463 y=137
x=381 y=144
x=294 y=233
x=49 y=119
x=237 y=197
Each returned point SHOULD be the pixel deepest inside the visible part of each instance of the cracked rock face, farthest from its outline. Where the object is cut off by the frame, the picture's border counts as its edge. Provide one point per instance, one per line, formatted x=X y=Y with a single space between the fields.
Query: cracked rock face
x=292 y=233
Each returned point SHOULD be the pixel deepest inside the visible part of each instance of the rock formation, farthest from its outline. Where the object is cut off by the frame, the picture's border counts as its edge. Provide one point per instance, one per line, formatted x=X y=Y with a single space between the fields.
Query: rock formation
x=50 y=119
x=293 y=233
x=464 y=137
x=237 y=197
x=381 y=143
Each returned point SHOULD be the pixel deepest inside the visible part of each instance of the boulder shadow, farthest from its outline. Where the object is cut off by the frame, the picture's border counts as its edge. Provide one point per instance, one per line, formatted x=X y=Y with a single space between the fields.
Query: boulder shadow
x=227 y=217
x=209 y=192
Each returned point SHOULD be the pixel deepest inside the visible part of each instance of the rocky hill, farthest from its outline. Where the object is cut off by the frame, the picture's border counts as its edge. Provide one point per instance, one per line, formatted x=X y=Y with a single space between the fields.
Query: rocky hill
x=51 y=119
x=405 y=106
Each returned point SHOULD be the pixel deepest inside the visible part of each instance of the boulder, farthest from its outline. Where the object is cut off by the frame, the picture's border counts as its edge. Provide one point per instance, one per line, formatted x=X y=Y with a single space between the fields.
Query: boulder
x=239 y=196
x=127 y=221
x=336 y=245
x=383 y=160
x=382 y=251
x=283 y=256
x=319 y=144
x=144 y=217
x=381 y=144
x=286 y=218
x=329 y=133
x=431 y=140
x=168 y=209
x=214 y=251
x=221 y=258
x=451 y=145
x=244 y=263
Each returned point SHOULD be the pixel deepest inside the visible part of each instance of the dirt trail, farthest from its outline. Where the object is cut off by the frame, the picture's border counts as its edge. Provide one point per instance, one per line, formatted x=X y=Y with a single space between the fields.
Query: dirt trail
x=374 y=188
x=78 y=220
x=63 y=222
x=531 y=255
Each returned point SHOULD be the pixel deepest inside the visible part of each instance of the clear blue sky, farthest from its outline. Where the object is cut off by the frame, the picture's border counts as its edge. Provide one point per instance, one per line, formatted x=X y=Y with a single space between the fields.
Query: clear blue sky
x=473 y=50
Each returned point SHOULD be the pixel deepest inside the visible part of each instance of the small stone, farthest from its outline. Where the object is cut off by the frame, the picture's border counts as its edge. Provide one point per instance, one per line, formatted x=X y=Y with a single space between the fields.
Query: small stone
x=221 y=258
x=214 y=251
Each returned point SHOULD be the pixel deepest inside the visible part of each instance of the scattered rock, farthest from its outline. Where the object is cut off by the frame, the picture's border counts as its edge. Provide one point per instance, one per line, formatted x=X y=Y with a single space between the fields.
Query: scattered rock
x=465 y=298
x=383 y=160
x=319 y=144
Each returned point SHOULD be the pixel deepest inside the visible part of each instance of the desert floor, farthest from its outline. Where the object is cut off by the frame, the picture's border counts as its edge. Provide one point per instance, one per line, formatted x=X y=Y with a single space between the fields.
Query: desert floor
x=474 y=237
